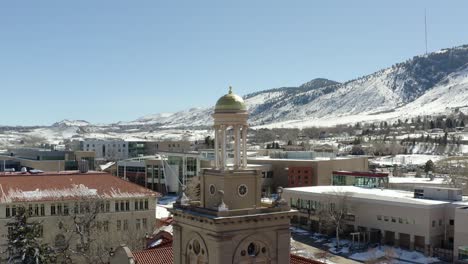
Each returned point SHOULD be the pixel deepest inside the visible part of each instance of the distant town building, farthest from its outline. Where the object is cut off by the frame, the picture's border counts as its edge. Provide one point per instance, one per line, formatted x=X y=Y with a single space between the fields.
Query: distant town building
x=301 y=169
x=45 y=159
x=106 y=149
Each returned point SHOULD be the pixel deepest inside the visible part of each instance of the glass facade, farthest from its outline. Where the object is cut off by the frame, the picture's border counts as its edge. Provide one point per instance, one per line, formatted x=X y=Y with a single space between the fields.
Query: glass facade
x=359 y=181
x=463 y=254
x=339 y=180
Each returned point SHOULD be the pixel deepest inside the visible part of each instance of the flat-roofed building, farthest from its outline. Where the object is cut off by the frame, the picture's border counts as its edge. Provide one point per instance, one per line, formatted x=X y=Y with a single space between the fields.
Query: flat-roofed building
x=46 y=159
x=428 y=223
x=121 y=212
x=106 y=149
x=288 y=172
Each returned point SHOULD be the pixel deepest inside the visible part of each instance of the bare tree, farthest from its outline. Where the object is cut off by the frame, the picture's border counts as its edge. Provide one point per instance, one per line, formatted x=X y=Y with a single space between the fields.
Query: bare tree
x=455 y=172
x=336 y=211
x=84 y=231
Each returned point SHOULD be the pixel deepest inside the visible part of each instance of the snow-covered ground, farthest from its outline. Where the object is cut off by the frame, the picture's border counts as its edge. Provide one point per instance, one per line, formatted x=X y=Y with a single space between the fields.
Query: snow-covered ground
x=414 y=159
x=393 y=253
x=397 y=255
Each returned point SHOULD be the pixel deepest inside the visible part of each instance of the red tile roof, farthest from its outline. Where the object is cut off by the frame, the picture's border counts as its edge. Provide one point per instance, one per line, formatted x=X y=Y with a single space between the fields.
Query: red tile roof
x=160 y=255
x=295 y=259
x=67 y=186
x=165 y=255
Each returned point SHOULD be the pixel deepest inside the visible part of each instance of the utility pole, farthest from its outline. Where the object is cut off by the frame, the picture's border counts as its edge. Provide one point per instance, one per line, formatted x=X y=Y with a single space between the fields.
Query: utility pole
x=425 y=29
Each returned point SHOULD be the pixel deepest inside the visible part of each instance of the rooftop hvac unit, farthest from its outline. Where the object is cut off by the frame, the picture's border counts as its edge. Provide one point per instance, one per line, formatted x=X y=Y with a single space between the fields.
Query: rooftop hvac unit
x=83 y=166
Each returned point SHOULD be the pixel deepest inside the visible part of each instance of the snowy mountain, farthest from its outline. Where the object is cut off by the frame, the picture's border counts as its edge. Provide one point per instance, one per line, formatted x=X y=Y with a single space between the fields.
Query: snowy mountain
x=322 y=102
x=71 y=123
x=436 y=83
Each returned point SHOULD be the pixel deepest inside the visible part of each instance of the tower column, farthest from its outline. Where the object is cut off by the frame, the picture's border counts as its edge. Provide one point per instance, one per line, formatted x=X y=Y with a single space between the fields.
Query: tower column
x=237 y=156
x=216 y=145
x=223 y=147
x=244 y=146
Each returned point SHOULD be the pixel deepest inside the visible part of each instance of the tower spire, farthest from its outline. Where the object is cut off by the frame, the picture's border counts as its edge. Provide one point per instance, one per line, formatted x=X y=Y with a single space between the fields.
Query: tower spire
x=230 y=89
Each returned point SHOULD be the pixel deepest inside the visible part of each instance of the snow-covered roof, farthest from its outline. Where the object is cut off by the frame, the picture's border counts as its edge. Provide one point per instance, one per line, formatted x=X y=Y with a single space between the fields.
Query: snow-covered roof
x=415 y=180
x=375 y=194
x=67 y=186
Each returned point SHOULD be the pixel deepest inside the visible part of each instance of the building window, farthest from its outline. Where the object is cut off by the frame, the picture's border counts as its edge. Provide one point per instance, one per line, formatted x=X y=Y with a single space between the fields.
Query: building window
x=138 y=226
x=440 y=222
x=7 y=211
x=393 y=219
x=36 y=209
x=141 y=204
x=433 y=223
x=116 y=206
x=400 y=220
x=125 y=225
x=452 y=222
x=107 y=206
x=136 y=205
x=13 y=210
x=145 y=224
x=42 y=210
x=146 y=204
x=127 y=205
x=379 y=217
x=52 y=209
x=106 y=226
x=122 y=206
x=386 y=218
x=119 y=225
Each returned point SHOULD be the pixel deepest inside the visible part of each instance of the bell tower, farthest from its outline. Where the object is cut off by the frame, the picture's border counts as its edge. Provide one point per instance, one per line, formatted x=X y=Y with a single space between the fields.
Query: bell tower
x=230 y=224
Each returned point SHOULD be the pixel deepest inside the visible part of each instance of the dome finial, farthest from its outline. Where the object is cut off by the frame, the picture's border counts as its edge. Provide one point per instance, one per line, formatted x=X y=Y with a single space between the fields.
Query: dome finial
x=230 y=89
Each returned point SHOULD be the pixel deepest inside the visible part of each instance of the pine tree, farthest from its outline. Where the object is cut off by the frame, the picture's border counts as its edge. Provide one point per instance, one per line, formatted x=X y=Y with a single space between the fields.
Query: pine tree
x=24 y=243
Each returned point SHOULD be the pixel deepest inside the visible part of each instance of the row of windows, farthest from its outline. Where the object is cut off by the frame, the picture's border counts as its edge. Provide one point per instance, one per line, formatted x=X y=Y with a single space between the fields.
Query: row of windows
x=393 y=219
x=267 y=174
x=299 y=171
x=141 y=204
x=33 y=210
x=113 y=145
x=305 y=204
x=122 y=206
x=139 y=224
x=78 y=208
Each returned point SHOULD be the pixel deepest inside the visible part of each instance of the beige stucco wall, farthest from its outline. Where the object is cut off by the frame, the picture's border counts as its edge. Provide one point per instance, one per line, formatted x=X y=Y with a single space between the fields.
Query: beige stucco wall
x=461 y=229
x=322 y=169
x=366 y=213
x=110 y=238
x=224 y=242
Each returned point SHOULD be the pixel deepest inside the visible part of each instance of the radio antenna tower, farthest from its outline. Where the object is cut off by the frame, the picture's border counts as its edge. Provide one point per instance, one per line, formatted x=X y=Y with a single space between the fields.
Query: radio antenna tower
x=425 y=29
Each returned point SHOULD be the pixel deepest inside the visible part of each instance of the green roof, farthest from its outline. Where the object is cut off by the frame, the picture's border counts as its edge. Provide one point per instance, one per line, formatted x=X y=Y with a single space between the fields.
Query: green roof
x=230 y=102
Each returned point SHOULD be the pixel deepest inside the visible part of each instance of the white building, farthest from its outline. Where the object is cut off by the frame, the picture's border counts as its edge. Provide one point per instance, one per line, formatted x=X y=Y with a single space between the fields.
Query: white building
x=424 y=220
x=106 y=149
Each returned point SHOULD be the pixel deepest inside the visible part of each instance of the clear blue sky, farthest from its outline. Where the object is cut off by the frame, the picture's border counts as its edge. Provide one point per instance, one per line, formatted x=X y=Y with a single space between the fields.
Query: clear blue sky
x=106 y=61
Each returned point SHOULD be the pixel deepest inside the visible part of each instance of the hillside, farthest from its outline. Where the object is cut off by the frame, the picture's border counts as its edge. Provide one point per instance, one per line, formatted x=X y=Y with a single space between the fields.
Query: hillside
x=324 y=102
x=432 y=84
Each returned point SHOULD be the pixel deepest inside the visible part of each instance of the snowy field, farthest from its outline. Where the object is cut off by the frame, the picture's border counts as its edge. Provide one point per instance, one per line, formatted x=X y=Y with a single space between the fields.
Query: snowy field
x=414 y=159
